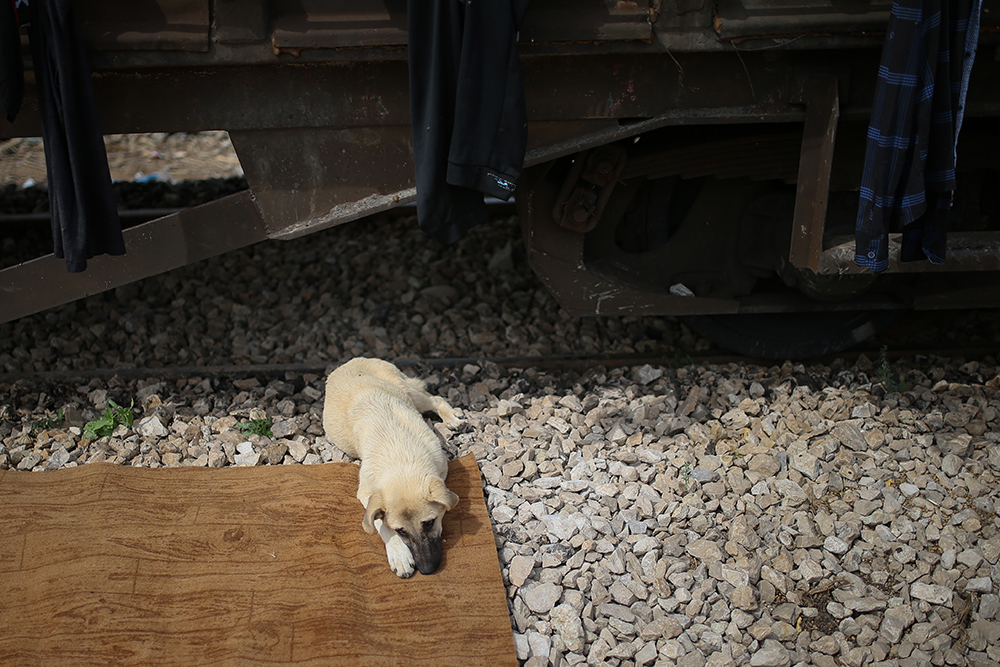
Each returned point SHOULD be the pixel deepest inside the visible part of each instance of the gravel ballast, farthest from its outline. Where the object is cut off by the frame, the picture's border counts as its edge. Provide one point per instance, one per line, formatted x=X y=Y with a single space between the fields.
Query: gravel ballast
x=681 y=514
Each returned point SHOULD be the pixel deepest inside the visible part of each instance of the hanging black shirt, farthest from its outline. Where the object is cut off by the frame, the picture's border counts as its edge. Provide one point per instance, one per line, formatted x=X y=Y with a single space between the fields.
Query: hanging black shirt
x=84 y=213
x=467 y=109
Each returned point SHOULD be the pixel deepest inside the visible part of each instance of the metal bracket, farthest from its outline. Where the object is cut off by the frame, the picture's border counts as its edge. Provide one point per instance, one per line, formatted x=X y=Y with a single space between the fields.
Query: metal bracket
x=815 y=162
x=587 y=188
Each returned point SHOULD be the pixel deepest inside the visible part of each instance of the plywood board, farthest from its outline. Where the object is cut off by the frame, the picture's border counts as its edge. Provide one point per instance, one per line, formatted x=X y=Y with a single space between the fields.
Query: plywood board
x=110 y=565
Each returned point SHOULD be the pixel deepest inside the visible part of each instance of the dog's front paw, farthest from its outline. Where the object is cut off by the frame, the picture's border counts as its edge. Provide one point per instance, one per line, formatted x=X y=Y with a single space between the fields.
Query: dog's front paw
x=400 y=558
x=450 y=419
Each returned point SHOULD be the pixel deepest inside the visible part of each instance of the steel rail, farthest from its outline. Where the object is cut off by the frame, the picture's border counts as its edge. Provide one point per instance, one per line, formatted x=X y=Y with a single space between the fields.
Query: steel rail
x=548 y=362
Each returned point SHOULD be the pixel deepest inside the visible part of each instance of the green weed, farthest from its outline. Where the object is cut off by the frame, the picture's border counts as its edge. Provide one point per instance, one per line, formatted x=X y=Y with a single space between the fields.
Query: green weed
x=679 y=359
x=113 y=417
x=256 y=427
x=886 y=375
x=47 y=423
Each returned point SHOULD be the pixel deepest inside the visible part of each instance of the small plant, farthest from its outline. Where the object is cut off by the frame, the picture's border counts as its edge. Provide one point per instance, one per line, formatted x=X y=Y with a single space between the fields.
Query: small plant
x=48 y=422
x=113 y=417
x=887 y=377
x=684 y=476
x=256 y=427
x=680 y=359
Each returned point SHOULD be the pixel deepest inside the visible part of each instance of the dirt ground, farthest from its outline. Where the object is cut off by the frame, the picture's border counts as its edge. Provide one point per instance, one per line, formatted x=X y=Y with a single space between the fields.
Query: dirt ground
x=172 y=156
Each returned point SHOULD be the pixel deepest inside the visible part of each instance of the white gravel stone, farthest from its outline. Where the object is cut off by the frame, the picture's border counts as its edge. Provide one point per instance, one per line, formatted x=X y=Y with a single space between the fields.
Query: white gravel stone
x=807 y=464
x=568 y=626
x=520 y=569
x=646 y=374
x=521 y=647
x=835 y=545
x=772 y=654
x=790 y=491
x=250 y=458
x=59 y=458
x=151 y=427
x=705 y=550
x=645 y=655
x=541 y=597
x=933 y=593
x=979 y=585
x=743 y=597
x=951 y=465
x=539 y=644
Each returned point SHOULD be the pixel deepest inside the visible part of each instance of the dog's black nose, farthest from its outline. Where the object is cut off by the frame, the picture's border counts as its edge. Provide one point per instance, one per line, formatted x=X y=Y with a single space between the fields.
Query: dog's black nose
x=429 y=565
x=427 y=569
x=427 y=555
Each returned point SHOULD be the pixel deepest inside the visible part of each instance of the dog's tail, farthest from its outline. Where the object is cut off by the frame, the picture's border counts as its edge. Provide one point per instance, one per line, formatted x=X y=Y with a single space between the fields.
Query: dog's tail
x=415 y=385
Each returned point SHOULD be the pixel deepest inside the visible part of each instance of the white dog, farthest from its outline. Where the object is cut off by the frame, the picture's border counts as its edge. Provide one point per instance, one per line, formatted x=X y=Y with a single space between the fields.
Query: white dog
x=373 y=412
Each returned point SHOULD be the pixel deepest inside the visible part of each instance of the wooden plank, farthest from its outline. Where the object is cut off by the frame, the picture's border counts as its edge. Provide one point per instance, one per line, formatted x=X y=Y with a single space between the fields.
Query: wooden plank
x=110 y=565
x=813 y=189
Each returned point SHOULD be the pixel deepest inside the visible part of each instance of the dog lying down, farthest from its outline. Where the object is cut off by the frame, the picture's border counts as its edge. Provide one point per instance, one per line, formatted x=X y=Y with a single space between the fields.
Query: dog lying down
x=373 y=412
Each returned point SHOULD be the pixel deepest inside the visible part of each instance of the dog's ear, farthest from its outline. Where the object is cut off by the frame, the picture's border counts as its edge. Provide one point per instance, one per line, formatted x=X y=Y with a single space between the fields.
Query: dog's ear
x=375 y=510
x=439 y=493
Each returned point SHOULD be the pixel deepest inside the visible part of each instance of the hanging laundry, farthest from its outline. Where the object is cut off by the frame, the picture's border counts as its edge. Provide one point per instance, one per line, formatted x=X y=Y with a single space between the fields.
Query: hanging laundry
x=11 y=63
x=467 y=109
x=909 y=170
x=84 y=213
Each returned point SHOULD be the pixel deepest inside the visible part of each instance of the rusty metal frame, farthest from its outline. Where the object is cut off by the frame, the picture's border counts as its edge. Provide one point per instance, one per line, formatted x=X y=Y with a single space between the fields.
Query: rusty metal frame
x=557 y=255
x=151 y=248
x=321 y=132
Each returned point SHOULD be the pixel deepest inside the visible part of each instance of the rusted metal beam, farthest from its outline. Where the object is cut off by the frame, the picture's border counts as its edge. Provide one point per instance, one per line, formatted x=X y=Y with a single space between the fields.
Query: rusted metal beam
x=151 y=248
x=618 y=87
x=304 y=181
x=815 y=162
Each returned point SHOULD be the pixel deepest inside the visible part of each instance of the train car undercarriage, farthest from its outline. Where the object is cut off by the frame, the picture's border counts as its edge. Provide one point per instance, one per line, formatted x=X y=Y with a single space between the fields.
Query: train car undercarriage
x=684 y=158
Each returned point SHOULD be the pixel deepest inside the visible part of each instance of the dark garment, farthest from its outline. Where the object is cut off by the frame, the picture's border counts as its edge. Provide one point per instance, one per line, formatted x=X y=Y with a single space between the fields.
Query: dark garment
x=466 y=107
x=84 y=213
x=11 y=64
x=909 y=171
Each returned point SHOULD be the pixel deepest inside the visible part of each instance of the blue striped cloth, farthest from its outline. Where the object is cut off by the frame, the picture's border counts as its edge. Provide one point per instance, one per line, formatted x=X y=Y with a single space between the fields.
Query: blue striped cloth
x=909 y=171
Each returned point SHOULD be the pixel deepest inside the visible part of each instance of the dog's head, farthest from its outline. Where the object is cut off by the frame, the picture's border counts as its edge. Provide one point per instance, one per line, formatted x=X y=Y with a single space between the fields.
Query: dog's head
x=415 y=515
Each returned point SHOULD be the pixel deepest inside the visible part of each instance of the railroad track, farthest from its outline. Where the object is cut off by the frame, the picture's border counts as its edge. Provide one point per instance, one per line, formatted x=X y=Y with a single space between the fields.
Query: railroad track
x=577 y=363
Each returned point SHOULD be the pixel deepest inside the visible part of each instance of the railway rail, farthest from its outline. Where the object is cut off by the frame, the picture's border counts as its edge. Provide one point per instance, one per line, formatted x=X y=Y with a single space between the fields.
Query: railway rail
x=866 y=356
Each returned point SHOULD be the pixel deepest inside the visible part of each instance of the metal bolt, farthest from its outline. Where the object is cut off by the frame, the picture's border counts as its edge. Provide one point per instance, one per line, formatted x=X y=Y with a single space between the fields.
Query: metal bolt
x=581 y=213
